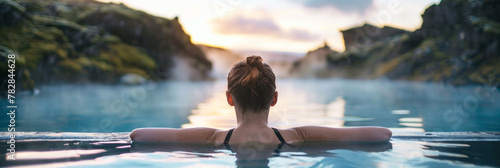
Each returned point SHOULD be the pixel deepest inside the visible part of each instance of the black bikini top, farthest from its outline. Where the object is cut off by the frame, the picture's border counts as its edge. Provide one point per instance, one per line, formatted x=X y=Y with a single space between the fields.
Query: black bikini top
x=228 y=136
x=277 y=151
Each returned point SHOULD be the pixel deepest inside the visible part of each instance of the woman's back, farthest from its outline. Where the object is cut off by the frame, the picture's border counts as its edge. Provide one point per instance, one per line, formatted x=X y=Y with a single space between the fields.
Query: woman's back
x=262 y=135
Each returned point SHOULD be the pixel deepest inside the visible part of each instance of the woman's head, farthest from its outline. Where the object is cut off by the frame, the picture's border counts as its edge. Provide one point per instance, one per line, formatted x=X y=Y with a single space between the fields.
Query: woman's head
x=252 y=84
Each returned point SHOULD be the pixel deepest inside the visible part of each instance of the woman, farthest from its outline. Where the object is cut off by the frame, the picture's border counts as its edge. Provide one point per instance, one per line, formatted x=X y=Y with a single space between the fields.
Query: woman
x=252 y=90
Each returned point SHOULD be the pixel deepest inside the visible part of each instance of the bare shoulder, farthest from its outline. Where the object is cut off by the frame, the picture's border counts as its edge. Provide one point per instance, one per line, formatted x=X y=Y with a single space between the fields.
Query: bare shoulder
x=173 y=134
x=290 y=135
x=218 y=136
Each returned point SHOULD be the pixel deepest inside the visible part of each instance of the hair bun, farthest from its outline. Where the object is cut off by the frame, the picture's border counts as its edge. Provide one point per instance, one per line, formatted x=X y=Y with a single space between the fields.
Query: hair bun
x=254 y=61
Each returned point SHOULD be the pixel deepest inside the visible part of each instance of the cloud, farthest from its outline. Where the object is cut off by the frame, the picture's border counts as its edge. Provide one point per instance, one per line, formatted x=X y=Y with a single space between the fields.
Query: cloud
x=242 y=25
x=263 y=26
x=346 y=6
x=299 y=34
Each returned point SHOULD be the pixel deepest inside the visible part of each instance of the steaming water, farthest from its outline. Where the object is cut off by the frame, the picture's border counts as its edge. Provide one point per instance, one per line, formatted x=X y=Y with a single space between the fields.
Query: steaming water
x=401 y=106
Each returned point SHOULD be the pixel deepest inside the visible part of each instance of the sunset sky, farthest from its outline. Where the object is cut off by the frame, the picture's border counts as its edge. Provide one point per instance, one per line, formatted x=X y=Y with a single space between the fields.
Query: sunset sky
x=281 y=25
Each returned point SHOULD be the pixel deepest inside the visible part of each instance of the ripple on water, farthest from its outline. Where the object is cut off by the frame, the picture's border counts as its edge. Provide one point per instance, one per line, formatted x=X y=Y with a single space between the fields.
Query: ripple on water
x=401 y=112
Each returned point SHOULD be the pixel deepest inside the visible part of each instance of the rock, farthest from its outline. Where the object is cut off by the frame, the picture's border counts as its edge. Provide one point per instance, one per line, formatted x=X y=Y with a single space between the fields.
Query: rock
x=132 y=79
x=367 y=34
x=11 y=13
x=162 y=38
x=458 y=43
x=313 y=64
x=89 y=41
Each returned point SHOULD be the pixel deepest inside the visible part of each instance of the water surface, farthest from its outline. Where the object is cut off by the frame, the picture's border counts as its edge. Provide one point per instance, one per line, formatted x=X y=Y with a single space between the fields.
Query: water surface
x=401 y=106
x=308 y=154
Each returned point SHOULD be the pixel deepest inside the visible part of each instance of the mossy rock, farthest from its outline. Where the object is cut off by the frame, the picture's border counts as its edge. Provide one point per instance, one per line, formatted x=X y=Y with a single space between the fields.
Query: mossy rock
x=486 y=24
x=84 y=61
x=54 y=45
x=103 y=66
x=384 y=68
x=132 y=70
x=64 y=11
x=63 y=54
x=13 y=4
x=27 y=81
x=71 y=65
x=115 y=9
x=132 y=56
x=57 y=22
x=106 y=56
x=111 y=39
x=11 y=13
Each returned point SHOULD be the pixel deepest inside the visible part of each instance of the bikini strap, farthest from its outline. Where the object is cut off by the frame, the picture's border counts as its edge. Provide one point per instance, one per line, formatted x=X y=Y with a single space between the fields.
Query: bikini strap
x=228 y=136
x=279 y=136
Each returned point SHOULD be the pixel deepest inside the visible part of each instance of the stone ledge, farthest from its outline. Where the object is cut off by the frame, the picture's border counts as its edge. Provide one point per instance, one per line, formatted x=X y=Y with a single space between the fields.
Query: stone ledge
x=124 y=136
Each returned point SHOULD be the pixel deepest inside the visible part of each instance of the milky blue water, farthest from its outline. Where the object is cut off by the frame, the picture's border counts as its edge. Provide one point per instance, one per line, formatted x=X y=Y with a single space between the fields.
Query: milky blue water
x=400 y=106
x=405 y=106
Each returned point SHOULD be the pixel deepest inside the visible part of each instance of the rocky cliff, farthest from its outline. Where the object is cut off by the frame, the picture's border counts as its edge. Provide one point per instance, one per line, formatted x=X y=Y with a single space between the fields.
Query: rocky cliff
x=367 y=34
x=458 y=43
x=90 y=41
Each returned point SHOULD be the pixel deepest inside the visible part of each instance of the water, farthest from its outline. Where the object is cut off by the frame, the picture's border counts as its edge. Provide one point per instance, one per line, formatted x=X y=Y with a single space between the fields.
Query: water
x=76 y=154
x=400 y=106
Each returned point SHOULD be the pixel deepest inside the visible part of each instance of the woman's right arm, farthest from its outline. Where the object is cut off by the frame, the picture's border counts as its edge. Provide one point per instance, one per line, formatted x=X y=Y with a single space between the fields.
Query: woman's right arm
x=344 y=134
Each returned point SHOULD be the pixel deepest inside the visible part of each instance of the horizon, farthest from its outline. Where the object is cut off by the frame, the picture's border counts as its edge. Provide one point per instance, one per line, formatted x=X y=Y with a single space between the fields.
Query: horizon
x=295 y=26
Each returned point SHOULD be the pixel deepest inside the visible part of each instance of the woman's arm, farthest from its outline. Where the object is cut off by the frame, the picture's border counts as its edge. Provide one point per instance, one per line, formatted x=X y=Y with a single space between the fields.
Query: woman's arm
x=344 y=134
x=172 y=134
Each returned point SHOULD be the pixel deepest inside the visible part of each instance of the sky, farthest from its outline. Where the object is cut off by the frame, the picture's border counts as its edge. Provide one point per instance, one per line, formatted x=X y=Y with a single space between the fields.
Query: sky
x=281 y=25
